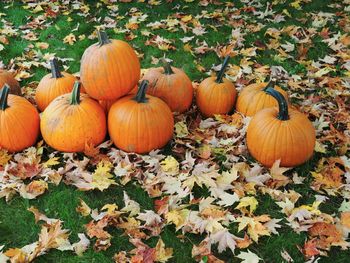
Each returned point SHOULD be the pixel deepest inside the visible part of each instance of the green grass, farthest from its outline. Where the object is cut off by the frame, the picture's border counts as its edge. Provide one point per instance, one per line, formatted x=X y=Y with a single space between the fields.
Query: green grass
x=17 y=226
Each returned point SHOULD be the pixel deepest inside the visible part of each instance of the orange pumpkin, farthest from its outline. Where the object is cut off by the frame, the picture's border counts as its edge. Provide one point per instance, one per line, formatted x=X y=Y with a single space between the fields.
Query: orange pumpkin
x=109 y=69
x=140 y=123
x=53 y=85
x=254 y=98
x=280 y=133
x=7 y=77
x=216 y=95
x=19 y=121
x=106 y=104
x=172 y=85
x=73 y=121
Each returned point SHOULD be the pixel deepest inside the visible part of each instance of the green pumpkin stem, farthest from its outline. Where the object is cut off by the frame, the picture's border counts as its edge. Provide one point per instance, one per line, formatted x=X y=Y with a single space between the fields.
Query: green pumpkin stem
x=222 y=70
x=4 y=93
x=102 y=38
x=282 y=104
x=56 y=73
x=75 y=98
x=141 y=92
x=271 y=84
x=167 y=68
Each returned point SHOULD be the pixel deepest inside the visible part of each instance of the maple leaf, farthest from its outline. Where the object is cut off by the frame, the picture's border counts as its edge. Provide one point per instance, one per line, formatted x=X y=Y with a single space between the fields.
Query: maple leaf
x=170 y=165
x=254 y=225
x=162 y=254
x=83 y=208
x=33 y=189
x=82 y=245
x=247 y=201
x=225 y=240
x=130 y=205
x=248 y=257
x=178 y=217
x=101 y=179
x=70 y=39
x=4 y=157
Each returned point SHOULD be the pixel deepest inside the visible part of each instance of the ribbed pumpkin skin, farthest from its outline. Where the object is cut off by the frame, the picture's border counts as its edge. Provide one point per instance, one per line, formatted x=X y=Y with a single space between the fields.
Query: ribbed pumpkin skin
x=8 y=78
x=175 y=89
x=215 y=98
x=253 y=99
x=140 y=127
x=68 y=128
x=110 y=71
x=270 y=139
x=50 y=88
x=19 y=123
x=106 y=104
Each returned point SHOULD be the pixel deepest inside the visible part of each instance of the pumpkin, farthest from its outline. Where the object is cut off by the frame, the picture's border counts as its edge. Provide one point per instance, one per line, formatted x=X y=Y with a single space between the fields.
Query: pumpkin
x=172 y=85
x=53 y=85
x=216 y=95
x=253 y=98
x=7 y=77
x=109 y=68
x=280 y=133
x=73 y=121
x=19 y=122
x=106 y=104
x=140 y=123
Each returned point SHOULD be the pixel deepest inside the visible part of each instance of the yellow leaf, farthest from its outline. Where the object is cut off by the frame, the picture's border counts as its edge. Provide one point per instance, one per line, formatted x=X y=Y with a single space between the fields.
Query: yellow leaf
x=296 y=4
x=178 y=217
x=70 y=39
x=101 y=179
x=319 y=147
x=248 y=201
x=170 y=165
x=4 y=157
x=163 y=254
x=51 y=162
x=111 y=208
x=181 y=129
x=37 y=9
x=186 y=18
x=83 y=208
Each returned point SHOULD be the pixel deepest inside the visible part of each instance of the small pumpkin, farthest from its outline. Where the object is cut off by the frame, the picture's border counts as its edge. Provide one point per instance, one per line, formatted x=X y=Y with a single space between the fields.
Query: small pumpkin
x=216 y=95
x=254 y=98
x=19 y=122
x=109 y=68
x=53 y=85
x=140 y=123
x=8 y=78
x=280 y=133
x=73 y=121
x=172 y=85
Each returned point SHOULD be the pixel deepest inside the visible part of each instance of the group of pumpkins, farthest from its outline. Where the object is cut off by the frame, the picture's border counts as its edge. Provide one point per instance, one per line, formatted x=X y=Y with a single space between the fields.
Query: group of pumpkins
x=77 y=113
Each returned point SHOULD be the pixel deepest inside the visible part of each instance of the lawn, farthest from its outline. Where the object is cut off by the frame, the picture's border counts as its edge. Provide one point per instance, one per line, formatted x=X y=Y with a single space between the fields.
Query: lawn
x=293 y=215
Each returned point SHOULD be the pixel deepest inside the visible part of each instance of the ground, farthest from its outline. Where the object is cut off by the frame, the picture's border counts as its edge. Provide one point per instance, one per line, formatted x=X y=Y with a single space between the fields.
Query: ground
x=305 y=41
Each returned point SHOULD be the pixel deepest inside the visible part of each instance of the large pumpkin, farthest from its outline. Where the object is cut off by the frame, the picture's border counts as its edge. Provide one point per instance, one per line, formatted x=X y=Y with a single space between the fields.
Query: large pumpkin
x=254 y=98
x=109 y=68
x=19 y=121
x=216 y=95
x=8 y=78
x=53 y=85
x=140 y=123
x=280 y=133
x=73 y=121
x=172 y=85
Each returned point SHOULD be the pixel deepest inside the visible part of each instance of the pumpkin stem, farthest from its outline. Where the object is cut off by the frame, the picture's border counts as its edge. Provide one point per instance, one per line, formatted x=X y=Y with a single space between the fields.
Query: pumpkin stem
x=271 y=84
x=102 y=38
x=4 y=93
x=56 y=73
x=222 y=70
x=282 y=104
x=167 y=68
x=75 y=98
x=141 y=92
